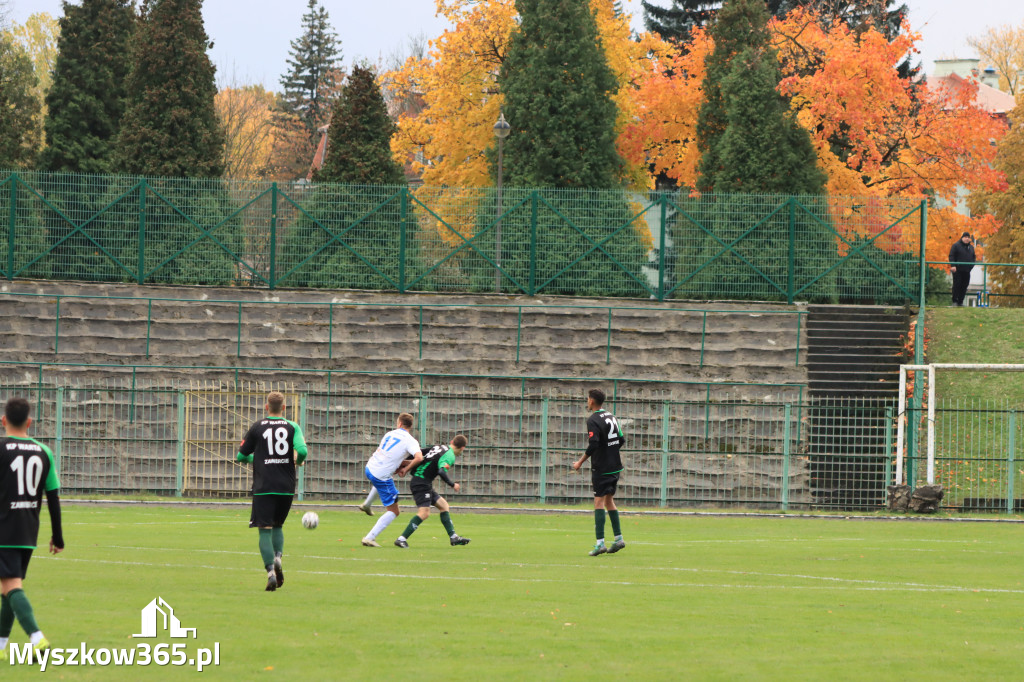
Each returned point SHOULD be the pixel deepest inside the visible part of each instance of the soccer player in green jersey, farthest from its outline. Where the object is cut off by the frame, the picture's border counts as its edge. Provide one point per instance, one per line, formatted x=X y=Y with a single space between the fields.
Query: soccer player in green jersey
x=26 y=471
x=274 y=446
x=436 y=462
x=605 y=438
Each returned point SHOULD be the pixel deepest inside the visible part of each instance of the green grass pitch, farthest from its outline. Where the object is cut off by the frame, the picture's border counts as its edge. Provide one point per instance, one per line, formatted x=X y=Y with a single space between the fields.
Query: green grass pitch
x=691 y=597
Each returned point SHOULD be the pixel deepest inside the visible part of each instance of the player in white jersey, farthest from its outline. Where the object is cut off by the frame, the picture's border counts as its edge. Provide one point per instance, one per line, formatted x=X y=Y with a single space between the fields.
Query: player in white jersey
x=389 y=457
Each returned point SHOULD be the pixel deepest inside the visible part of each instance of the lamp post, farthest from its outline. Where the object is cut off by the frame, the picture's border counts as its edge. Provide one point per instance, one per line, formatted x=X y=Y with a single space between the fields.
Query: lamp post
x=501 y=131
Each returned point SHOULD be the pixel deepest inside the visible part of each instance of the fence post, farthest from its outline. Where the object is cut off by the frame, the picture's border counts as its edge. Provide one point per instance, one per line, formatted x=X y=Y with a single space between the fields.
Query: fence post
x=791 y=271
x=533 y=243
x=401 y=239
x=59 y=438
x=1010 y=462
x=142 y=232
x=302 y=425
x=12 y=220
x=888 y=446
x=423 y=418
x=786 y=450
x=273 y=233
x=666 y=414
x=661 y=250
x=179 y=473
x=56 y=331
x=544 y=450
x=608 y=345
x=915 y=403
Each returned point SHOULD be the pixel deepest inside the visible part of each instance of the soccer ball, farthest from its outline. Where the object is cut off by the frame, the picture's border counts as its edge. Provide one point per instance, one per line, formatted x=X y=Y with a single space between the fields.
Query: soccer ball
x=310 y=520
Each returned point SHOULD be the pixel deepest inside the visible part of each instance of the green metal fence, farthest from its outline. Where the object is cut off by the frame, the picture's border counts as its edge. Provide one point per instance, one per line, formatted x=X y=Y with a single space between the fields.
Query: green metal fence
x=179 y=440
x=978 y=453
x=589 y=243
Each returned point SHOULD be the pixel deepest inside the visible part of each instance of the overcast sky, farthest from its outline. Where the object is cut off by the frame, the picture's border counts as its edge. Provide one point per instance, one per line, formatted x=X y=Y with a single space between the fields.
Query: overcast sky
x=251 y=37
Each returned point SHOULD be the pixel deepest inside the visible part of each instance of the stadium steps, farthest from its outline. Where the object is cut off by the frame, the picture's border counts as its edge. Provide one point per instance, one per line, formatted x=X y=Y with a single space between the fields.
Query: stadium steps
x=646 y=341
x=853 y=359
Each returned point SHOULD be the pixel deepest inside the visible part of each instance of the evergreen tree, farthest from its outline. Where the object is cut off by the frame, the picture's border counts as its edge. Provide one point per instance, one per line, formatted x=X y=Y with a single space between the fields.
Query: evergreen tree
x=170 y=129
x=359 y=137
x=19 y=107
x=558 y=86
x=310 y=86
x=763 y=150
x=363 y=205
x=85 y=105
x=740 y=24
x=677 y=20
x=87 y=98
x=752 y=145
x=170 y=125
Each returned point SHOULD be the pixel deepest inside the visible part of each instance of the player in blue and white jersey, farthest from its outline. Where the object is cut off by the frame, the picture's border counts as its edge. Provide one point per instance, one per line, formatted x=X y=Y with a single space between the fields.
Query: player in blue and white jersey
x=390 y=458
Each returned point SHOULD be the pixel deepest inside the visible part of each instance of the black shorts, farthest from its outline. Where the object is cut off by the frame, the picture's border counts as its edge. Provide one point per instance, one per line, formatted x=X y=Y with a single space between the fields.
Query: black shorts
x=14 y=562
x=270 y=511
x=605 y=484
x=424 y=496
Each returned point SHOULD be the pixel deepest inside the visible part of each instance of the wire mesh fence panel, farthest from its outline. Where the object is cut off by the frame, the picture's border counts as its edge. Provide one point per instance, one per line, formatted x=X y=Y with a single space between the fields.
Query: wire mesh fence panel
x=116 y=439
x=172 y=436
x=978 y=454
x=216 y=420
x=850 y=448
x=343 y=430
x=518 y=240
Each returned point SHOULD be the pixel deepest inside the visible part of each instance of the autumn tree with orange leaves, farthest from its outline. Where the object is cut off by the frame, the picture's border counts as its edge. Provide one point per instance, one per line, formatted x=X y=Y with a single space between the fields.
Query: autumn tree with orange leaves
x=896 y=138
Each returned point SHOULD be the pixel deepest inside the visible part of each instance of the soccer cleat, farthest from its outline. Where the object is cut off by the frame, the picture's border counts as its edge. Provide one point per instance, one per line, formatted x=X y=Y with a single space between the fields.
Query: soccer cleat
x=365 y=508
x=278 y=571
x=39 y=648
x=271 y=582
x=599 y=548
x=401 y=542
x=616 y=546
x=458 y=540
x=370 y=542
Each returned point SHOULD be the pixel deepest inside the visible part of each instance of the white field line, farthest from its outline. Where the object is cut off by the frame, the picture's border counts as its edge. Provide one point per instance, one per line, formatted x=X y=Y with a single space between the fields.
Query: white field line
x=847 y=583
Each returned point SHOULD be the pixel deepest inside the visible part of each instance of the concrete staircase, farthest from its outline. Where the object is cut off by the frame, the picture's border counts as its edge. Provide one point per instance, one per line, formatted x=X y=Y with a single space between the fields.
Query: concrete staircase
x=359 y=332
x=853 y=359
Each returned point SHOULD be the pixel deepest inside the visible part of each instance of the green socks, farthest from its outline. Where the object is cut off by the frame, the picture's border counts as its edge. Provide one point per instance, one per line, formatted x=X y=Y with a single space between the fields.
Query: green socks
x=6 y=616
x=277 y=535
x=613 y=516
x=19 y=604
x=267 y=547
x=599 y=523
x=446 y=521
x=411 y=528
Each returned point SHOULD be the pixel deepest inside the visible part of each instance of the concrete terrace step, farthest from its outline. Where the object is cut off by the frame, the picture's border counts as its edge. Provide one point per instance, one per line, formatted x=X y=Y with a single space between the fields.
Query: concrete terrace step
x=370 y=331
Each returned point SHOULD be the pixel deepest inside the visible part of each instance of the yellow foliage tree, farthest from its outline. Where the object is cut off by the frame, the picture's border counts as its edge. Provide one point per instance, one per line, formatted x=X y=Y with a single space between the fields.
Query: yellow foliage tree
x=247 y=115
x=1002 y=48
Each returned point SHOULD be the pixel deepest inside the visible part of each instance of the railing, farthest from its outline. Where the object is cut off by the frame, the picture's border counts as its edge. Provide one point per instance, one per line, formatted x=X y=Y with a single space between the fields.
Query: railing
x=588 y=243
x=181 y=441
x=978 y=453
x=109 y=437
x=984 y=296
x=237 y=305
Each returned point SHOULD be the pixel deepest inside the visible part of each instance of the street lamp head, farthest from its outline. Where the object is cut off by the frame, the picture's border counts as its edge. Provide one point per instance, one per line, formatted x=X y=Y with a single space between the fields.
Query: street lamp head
x=502 y=127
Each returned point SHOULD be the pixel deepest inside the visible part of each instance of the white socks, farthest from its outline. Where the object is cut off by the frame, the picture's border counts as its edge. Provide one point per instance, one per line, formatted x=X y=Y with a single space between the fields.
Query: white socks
x=383 y=522
x=35 y=637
